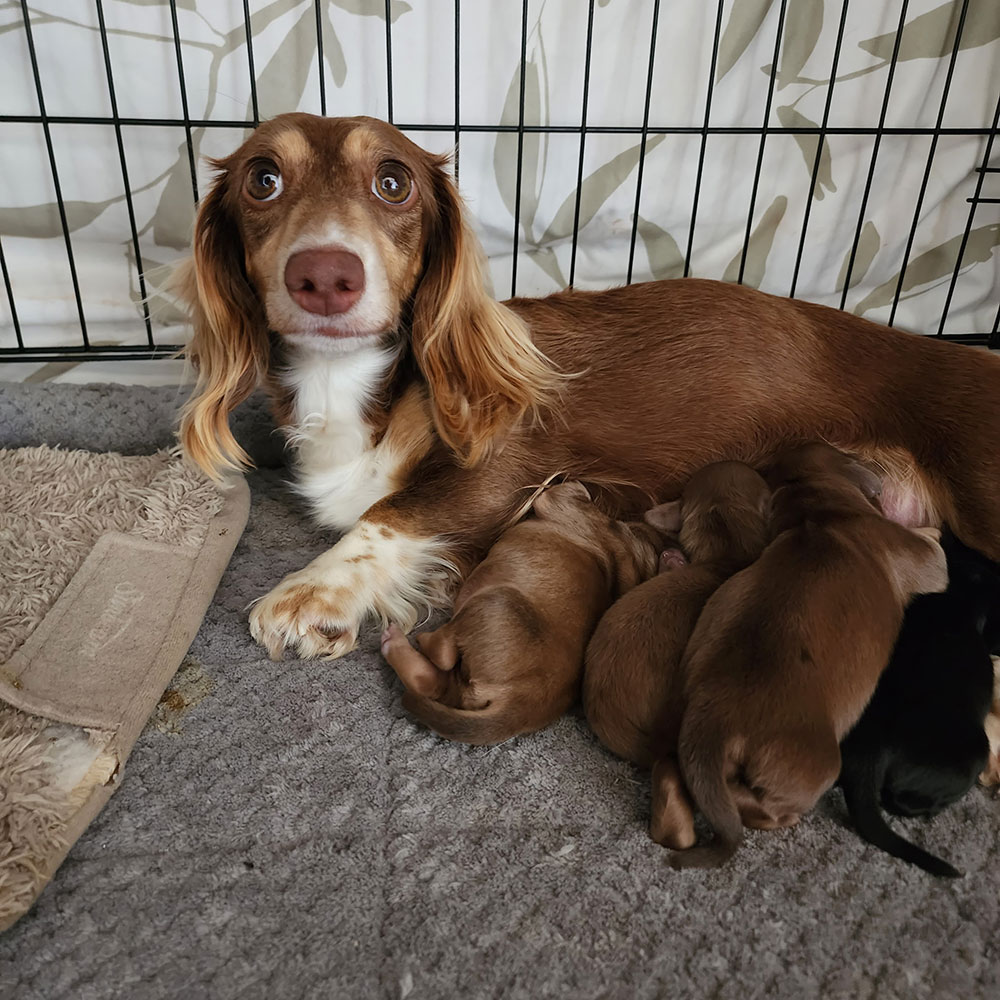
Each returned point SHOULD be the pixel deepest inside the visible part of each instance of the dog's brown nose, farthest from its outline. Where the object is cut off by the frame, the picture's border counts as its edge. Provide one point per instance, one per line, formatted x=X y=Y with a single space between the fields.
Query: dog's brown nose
x=325 y=282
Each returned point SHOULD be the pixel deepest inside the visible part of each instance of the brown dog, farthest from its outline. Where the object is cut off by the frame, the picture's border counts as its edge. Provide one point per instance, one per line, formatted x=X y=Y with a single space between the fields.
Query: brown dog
x=787 y=652
x=510 y=659
x=334 y=265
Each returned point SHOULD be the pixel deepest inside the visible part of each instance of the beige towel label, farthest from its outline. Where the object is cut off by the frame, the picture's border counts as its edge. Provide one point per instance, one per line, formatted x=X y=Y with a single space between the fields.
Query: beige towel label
x=87 y=663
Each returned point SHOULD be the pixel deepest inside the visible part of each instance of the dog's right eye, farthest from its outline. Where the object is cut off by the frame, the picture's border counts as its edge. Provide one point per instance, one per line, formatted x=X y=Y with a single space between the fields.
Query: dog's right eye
x=264 y=181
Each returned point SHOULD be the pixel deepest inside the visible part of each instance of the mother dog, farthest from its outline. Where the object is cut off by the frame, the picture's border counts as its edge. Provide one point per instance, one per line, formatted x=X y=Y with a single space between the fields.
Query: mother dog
x=332 y=264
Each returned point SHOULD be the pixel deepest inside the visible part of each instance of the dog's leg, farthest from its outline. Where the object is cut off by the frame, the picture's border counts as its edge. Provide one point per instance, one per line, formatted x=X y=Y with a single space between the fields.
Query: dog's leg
x=398 y=562
x=319 y=610
x=415 y=670
x=671 y=820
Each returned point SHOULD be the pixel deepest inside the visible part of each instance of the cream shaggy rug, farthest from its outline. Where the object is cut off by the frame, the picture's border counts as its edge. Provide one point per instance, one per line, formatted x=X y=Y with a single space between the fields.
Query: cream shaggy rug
x=108 y=564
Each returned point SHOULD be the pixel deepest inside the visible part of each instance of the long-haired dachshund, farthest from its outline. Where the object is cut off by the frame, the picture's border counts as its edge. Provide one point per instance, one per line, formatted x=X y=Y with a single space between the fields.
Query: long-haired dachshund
x=333 y=264
x=787 y=652
x=510 y=659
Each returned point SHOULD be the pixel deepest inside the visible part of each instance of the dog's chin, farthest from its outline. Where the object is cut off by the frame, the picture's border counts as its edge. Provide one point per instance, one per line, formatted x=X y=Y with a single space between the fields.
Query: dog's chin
x=331 y=342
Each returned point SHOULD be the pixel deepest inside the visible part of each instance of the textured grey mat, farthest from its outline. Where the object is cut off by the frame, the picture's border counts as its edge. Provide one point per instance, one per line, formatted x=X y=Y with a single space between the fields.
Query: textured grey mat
x=292 y=834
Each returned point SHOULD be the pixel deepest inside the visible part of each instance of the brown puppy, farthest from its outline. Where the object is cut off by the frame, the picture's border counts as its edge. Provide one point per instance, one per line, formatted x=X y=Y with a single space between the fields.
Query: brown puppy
x=510 y=659
x=787 y=652
x=633 y=658
x=632 y=685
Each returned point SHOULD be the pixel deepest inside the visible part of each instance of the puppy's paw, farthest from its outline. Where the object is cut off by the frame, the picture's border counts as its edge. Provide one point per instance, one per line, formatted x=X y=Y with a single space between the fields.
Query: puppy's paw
x=392 y=636
x=672 y=559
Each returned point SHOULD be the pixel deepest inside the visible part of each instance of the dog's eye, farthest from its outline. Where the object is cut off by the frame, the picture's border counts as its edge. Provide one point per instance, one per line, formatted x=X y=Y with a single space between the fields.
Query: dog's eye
x=392 y=183
x=264 y=181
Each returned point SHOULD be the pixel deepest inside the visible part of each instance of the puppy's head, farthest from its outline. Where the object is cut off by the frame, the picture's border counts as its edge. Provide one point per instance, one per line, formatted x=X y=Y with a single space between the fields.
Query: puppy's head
x=333 y=234
x=722 y=514
x=630 y=550
x=818 y=459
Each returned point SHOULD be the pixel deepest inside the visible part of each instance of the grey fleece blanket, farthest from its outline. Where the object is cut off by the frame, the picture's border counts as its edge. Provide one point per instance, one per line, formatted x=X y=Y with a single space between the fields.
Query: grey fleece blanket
x=284 y=831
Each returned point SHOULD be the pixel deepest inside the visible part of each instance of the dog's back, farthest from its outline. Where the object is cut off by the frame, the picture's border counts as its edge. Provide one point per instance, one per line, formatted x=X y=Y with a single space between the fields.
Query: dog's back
x=920 y=744
x=518 y=639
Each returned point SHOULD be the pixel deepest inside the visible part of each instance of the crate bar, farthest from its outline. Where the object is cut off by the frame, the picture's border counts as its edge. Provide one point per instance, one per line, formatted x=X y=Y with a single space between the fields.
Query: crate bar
x=388 y=57
x=319 y=57
x=820 y=143
x=253 y=73
x=875 y=148
x=583 y=142
x=55 y=172
x=994 y=342
x=10 y=299
x=972 y=213
x=705 y=131
x=186 y=121
x=642 y=144
x=983 y=201
x=971 y=130
x=31 y=355
x=520 y=149
x=125 y=180
x=458 y=74
x=763 y=140
x=930 y=163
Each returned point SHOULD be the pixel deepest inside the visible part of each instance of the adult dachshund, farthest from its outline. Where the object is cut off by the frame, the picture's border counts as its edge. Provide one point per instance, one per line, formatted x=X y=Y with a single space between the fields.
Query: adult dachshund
x=333 y=264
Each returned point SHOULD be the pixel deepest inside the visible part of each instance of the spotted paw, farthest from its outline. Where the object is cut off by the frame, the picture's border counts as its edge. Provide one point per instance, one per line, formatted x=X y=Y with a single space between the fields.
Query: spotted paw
x=307 y=617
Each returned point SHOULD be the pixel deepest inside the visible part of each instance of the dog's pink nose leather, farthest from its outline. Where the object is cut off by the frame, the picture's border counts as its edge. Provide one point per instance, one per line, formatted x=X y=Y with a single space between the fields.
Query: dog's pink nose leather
x=325 y=282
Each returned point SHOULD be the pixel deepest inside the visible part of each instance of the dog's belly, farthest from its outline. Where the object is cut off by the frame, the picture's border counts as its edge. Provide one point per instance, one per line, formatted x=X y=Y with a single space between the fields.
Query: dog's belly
x=905 y=498
x=908 y=504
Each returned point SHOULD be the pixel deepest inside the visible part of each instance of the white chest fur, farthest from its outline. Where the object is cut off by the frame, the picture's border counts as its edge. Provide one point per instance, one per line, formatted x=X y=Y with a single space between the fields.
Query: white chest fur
x=340 y=471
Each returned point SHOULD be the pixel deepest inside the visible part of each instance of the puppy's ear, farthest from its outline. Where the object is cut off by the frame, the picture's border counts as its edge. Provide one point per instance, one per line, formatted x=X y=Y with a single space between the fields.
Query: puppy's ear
x=561 y=499
x=230 y=347
x=665 y=517
x=866 y=480
x=483 y=370
x=574 y=488
x=919 y=564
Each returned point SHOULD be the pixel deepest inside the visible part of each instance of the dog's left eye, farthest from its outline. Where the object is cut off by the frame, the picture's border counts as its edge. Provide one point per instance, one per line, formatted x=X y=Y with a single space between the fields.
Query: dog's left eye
x=392 y=183
x=264 y=181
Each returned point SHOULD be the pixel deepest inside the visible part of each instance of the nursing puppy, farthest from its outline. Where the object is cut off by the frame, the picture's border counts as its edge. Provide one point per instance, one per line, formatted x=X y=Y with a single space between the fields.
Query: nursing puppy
x=787 y=652
x=632 y=686
x=921 y=743
x=510 y=659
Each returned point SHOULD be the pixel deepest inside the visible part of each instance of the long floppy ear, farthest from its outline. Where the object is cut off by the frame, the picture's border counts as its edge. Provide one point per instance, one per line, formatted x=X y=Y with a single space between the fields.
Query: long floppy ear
x=483 y=371
x=230 y=347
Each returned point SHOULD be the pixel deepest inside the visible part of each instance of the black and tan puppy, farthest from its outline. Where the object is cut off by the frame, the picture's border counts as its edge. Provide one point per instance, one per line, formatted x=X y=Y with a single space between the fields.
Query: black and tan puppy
x=921 y=743
x=788 y=652
x=632 y=686
x=510 y=659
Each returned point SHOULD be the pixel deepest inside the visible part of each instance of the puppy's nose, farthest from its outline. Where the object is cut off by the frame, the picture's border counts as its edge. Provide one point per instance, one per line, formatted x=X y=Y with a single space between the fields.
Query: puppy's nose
x=325 y=282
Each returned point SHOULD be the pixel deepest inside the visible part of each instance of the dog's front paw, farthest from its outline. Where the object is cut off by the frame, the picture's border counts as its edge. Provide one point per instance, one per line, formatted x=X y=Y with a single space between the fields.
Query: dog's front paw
x=308 y=616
